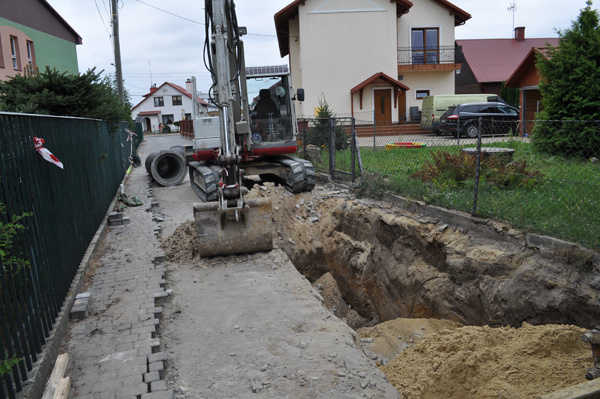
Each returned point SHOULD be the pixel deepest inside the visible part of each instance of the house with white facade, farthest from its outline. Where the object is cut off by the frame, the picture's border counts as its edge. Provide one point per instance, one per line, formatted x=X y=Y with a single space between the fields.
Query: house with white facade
x=165 y=105
x=370 y=59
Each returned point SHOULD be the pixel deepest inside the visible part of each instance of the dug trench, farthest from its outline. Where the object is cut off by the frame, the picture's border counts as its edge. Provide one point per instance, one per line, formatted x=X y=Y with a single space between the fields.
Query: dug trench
x=388 y=263
x=444 y=311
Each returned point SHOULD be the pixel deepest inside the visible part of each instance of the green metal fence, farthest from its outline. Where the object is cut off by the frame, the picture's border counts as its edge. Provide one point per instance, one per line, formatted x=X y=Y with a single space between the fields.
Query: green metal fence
x=556 y=193
x=67 y=206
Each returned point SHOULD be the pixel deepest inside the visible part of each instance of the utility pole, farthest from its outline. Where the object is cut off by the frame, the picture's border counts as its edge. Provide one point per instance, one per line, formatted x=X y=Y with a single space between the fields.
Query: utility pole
x=117 y=48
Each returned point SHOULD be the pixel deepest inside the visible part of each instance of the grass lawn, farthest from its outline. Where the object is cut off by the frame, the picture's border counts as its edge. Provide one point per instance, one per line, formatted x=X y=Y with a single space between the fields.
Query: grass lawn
x=565 y=204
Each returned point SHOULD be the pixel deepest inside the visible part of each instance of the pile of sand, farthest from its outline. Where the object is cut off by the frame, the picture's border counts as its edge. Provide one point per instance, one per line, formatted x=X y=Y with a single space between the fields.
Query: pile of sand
x=484 y=362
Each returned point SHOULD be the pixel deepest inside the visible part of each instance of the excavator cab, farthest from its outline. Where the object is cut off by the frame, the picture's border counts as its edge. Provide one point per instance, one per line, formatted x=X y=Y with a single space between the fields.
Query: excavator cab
x=269 y=101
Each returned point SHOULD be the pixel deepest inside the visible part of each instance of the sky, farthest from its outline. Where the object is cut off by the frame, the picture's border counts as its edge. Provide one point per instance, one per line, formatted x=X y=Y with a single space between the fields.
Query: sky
x=162 y=41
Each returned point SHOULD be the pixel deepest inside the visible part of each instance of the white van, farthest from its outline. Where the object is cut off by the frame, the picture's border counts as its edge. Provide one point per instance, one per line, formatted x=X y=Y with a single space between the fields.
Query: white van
x=434 y=106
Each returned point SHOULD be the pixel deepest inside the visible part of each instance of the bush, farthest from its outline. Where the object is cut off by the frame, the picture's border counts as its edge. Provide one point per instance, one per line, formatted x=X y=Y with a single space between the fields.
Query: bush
x=371 y=185
x=452 y=170
x=53 y=93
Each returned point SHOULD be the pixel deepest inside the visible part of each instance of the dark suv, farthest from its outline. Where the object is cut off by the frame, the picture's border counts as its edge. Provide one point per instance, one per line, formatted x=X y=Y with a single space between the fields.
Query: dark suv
x=496 y=118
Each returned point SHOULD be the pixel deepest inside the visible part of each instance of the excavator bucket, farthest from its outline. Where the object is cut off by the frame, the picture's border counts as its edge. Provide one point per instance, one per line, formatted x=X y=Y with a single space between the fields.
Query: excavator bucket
x=247 y=230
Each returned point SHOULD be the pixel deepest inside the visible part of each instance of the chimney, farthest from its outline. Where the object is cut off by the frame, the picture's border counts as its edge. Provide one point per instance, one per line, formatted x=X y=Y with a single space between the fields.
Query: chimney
x=153 y=88
x=520 y=33
x=188 y=86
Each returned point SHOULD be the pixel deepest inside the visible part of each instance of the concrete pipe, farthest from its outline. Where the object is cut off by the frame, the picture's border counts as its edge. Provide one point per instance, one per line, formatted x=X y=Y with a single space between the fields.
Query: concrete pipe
x=167 y=168
x=187 y=152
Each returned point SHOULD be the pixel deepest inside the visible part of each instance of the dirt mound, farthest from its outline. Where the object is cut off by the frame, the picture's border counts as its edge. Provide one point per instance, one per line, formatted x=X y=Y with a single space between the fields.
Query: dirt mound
x=384 y=341
x=182 y=246
x=486 y=363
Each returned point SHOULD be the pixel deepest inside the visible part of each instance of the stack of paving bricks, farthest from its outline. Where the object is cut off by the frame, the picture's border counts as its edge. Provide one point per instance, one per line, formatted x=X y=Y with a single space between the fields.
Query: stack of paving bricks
x=117 y=219
x=114 y=348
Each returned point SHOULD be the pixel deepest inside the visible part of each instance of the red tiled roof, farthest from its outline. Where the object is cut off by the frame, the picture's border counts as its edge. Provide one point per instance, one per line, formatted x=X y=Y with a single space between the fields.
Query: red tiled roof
x=495 y=60
x=283 y=16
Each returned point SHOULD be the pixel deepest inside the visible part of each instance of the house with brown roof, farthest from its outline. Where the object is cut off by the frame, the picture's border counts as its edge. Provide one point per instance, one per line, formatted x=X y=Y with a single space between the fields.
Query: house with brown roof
x=371 y=59
x=489 y=62
x=526 y=78
x=33 y=35
x=165 y=105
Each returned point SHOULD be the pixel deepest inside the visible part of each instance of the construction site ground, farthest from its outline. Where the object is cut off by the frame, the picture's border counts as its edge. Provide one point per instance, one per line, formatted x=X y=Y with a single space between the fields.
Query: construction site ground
x=360 y=298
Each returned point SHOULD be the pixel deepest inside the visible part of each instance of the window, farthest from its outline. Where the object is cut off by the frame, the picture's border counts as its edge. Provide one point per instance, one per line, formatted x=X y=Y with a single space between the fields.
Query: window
x=508 y=110
x=425 y=45
x=159 y=102
x=168 y=119
x=422 y=94
x=30 y=53
x=14 y=51
x=188 y=117
x=177 y=100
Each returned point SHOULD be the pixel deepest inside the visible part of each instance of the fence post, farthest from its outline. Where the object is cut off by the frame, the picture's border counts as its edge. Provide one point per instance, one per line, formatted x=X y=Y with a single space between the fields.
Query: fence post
x=477 y=170
x=304 y=126
x=353 y=151
x=332 y=148
x=458 y=124
x=374 y=130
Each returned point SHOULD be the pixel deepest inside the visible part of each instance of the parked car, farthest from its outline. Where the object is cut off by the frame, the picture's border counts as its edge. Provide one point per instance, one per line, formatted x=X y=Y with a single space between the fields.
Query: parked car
x=434 y=106
x=496 y=118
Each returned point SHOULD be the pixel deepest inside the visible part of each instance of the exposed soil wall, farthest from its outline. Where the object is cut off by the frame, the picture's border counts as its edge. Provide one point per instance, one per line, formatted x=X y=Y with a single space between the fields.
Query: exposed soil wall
x=392 y=264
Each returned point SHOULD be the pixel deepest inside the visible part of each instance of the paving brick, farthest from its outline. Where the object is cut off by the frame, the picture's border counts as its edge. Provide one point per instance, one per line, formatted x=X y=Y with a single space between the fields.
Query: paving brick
x=146 y=351
x=130 y=391
x=157 y=386
x=151 y=376
x=157 y=357
x=158 y=395
x=156 y=366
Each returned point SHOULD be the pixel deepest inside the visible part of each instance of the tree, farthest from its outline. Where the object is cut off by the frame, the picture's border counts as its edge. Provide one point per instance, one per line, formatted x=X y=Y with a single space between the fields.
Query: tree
x=569 y=84
x=319 y=134
x=53 y=93
x=510 y=95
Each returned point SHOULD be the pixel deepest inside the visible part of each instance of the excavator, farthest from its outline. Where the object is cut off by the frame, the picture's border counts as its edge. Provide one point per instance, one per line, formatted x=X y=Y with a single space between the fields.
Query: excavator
x=250 y=142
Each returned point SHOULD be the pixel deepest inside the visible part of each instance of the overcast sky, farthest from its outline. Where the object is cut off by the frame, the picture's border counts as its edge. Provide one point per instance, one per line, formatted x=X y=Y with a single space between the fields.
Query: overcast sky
x=163 y=40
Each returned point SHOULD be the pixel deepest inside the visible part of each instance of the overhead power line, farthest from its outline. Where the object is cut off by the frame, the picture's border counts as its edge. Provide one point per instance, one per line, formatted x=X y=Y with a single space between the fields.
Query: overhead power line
x=170 y=13
x=101 y=18
x=191 y=20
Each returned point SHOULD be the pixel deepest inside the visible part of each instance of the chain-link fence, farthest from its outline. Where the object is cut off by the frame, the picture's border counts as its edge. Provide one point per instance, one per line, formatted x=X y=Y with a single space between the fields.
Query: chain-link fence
x=330 y=143
x=541 y=176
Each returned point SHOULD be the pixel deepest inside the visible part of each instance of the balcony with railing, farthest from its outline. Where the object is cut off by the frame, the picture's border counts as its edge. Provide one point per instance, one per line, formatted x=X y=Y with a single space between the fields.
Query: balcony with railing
x=441 y=58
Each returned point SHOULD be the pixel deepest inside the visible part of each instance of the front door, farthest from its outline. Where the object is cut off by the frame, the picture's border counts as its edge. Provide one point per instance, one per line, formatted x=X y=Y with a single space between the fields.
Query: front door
x=383 y=106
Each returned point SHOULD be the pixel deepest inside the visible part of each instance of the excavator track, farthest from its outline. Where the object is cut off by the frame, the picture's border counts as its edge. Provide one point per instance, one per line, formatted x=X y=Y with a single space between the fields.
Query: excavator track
x=204 y=179
x=310 y=178
x=298 y=176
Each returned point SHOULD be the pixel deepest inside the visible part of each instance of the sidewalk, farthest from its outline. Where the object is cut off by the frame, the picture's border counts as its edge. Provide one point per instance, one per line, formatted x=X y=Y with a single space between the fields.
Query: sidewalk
x=114 y=352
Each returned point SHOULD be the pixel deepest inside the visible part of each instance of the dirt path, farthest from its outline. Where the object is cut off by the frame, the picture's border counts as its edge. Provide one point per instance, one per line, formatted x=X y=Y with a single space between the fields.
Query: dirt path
x=251 y=325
